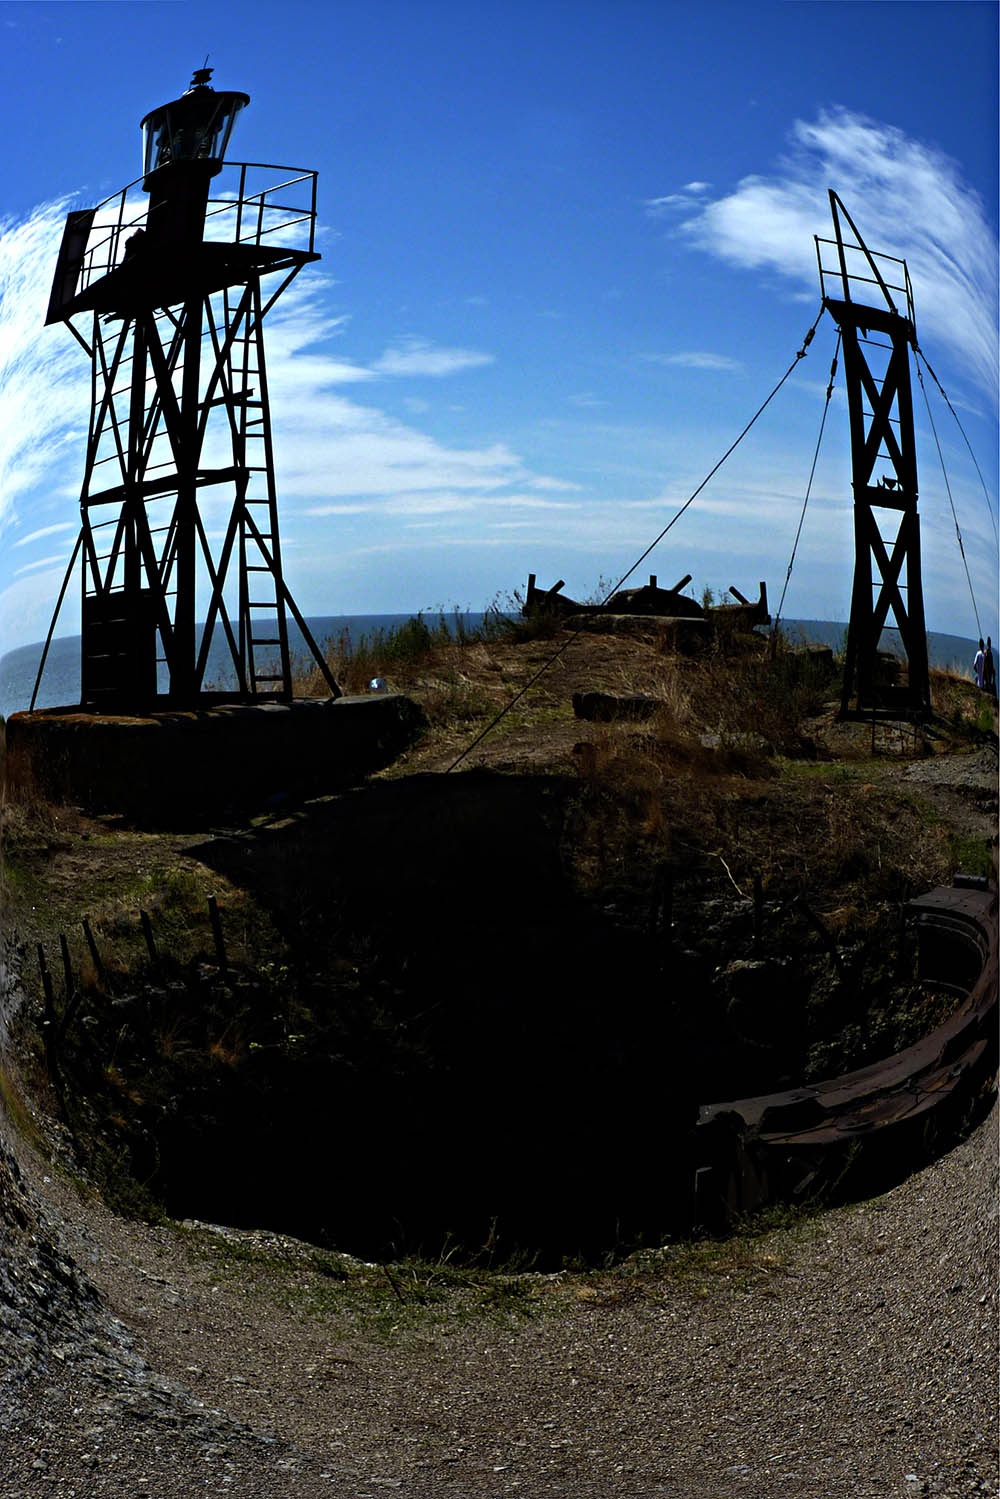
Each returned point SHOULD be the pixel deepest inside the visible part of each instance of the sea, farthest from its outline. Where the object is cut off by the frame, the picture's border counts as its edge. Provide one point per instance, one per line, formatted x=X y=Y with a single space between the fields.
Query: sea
x=60 y=684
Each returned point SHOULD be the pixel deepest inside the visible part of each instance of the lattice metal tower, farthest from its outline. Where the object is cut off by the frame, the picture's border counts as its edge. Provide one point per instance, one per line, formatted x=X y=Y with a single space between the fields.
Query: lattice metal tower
x=877 y=340
x=167 y=294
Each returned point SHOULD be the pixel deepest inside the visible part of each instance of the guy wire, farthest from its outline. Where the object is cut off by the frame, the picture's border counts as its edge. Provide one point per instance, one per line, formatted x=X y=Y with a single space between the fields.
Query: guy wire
x=922 y=357
x=951 y=502
x=801 y=354
x=805 y=502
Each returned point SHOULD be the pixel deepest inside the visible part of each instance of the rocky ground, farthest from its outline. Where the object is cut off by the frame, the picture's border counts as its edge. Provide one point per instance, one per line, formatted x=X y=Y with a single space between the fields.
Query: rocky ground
x=851 y=1355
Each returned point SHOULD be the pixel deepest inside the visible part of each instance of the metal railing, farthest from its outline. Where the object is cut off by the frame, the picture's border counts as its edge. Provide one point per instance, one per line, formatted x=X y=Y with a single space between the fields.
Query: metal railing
x=249 y=212
x=846 y=279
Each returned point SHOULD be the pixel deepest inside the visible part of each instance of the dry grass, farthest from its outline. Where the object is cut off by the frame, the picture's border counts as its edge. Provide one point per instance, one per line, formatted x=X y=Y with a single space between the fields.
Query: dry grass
x=412 y=656
x=960 y=704
x=27 y=818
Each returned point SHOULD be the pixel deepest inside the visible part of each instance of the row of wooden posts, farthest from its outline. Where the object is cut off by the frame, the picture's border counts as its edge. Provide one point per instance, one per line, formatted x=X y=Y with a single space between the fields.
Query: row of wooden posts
x=57 y=1026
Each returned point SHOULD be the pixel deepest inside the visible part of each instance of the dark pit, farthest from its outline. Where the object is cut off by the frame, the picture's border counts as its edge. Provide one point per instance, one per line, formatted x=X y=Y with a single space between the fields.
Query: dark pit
x=457 y=1048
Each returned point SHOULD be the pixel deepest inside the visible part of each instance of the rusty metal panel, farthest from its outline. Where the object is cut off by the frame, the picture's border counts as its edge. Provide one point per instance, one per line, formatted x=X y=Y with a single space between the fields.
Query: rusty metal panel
x=763 y=1149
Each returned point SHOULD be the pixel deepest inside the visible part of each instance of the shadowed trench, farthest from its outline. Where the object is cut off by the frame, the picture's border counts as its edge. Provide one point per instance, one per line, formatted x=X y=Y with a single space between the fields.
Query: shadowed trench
x=454 y=1044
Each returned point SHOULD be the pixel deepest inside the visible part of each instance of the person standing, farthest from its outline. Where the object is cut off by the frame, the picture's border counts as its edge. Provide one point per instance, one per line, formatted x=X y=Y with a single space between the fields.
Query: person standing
x=978 y=664
x=989 y=670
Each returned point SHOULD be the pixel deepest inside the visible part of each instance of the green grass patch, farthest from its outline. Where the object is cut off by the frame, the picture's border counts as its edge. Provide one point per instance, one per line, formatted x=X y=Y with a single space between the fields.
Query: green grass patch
x=412 y=1297
x=22 y=1120
x=111 y=1174
x=758 y=1252
x=970 y=855
x=387 y=1301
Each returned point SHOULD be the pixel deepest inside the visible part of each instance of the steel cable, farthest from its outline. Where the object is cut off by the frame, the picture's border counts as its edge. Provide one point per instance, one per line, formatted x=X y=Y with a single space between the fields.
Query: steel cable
x=801 y=354
x=922 y=358
x=951 y=502
x=805 y=502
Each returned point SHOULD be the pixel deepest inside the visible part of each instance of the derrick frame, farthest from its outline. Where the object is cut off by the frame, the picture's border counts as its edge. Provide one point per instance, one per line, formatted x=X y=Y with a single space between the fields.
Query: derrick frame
x=876 y=352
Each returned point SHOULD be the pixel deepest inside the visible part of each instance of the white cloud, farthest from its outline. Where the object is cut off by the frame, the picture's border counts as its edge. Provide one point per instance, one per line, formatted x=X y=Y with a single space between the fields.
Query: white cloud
x=696 y=361
x=907 y=198
x=30 y=567
x=428 y=504
x=45 y=531
x=415 y=356
x=543 y=482
x=440 y=502
x=344 y=509
x=586 y=399
x=44 y=380
x=689 y=197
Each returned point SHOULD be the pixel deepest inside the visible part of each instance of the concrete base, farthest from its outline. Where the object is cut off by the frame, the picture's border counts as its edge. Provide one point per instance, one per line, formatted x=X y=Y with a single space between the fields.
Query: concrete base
x=168 y=769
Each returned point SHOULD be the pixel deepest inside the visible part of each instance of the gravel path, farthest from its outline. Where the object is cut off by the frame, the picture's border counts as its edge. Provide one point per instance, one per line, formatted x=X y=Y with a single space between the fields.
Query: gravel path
x=852 y=1359
x=962 y=788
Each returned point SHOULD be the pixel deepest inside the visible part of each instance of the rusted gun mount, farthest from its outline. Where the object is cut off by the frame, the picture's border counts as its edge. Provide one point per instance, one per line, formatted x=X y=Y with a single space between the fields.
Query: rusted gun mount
x=799 y=1144
x=651 y=601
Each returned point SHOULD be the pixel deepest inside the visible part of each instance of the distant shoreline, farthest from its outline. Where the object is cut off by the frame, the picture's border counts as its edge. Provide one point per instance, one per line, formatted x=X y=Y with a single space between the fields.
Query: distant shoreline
x=61 y=683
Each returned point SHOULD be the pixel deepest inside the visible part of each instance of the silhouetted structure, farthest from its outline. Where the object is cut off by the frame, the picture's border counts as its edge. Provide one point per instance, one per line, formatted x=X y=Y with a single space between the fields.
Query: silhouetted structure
x=876 y=342
x=167 y=299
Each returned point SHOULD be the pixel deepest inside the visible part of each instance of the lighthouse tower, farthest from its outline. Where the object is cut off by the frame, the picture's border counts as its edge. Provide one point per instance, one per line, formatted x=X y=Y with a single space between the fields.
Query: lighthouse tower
x=166 y=286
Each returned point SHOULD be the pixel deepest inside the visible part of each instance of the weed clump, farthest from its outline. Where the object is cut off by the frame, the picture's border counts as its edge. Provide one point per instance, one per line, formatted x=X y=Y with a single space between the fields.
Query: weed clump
x=404 y=655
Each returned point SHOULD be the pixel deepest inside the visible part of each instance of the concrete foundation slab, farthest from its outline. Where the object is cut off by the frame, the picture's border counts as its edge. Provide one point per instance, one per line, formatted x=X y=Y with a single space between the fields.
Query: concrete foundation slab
x=170 y=768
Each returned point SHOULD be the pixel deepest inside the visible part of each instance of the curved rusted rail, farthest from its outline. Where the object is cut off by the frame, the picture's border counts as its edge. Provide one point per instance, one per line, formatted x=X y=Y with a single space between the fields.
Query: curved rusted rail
x=866 y=1125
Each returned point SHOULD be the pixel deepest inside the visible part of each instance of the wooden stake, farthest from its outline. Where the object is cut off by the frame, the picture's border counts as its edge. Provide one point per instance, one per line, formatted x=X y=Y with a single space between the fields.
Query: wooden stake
x=74 y=995
x=46 y=986
x=94 y=954
x=220 y=945
x=67 y=967
x=147 y=932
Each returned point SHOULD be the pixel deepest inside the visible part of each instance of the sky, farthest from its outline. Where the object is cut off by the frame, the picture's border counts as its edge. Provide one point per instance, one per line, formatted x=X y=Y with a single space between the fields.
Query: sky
x=567 y=251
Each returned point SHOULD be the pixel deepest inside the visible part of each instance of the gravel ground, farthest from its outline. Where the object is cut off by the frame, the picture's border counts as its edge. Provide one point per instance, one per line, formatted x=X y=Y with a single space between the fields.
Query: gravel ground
x=963 y=788
x=856 y=1359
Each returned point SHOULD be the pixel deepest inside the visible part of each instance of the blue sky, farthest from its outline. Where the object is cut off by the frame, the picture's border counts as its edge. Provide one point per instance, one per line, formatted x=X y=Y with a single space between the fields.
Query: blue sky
x=567 y=250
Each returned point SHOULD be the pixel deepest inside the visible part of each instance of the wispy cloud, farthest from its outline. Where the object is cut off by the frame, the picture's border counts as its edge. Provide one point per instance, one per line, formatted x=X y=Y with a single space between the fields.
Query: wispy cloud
x=31 y=567
x=34 y=536
x=695 y=360
x=543 y=481
x=415 y=356
x=688 y=197
x=908 y=199
x=44 y=385
x=442 y=502
x=586 y=399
